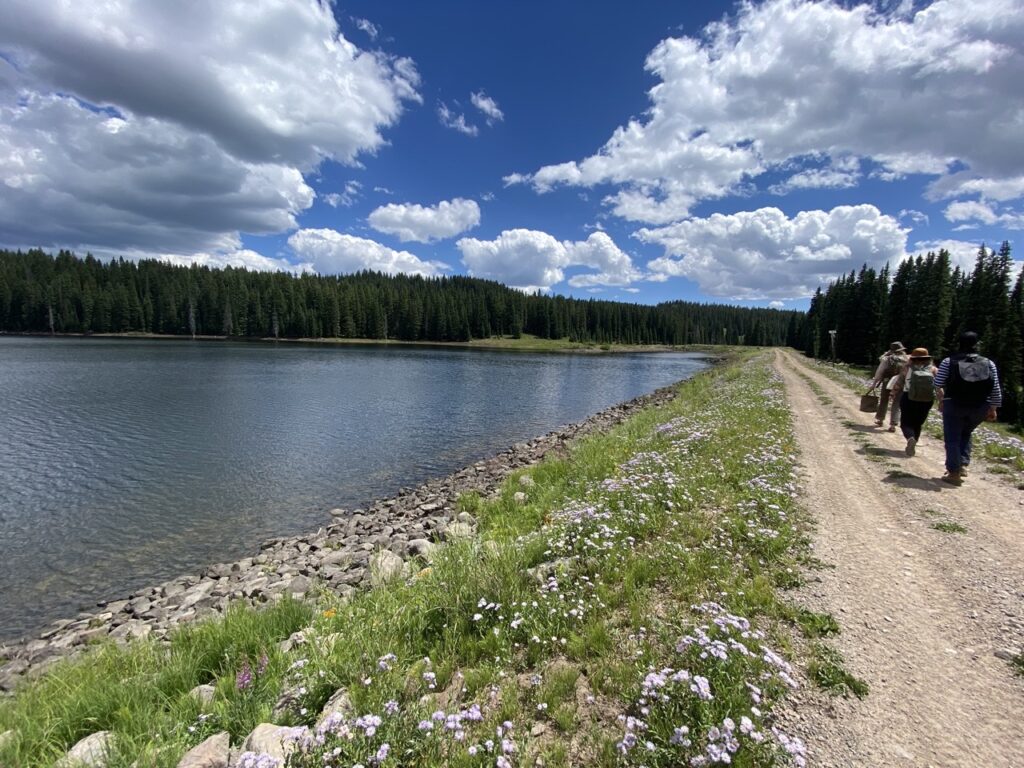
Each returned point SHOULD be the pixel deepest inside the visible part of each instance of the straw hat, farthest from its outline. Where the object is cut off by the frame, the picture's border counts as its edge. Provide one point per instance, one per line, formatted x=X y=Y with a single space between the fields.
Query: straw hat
x=920 y=353
x=897 y=346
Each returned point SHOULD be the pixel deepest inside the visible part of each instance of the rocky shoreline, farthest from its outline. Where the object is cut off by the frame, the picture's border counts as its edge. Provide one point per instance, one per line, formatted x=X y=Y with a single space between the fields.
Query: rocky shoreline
x=358 y=548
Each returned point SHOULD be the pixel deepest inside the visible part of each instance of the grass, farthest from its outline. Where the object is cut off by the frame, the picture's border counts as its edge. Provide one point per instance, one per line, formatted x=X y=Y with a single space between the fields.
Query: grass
x=828 y=673
x=1018 y=664
x=665 y=544
x=949 y=527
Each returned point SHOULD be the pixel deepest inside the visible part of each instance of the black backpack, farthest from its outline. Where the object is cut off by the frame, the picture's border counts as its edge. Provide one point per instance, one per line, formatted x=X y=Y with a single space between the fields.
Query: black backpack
x=970 y=379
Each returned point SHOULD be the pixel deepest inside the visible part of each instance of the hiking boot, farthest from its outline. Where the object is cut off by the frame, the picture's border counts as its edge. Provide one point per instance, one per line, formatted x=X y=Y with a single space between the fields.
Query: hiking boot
x=892 y=427
x=878 y=422
x=911 y=446
x=963 y=472
x=953 y=478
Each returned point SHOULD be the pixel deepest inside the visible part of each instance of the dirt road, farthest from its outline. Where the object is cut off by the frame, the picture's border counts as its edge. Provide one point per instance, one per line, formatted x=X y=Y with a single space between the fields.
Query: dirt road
x=924 y=612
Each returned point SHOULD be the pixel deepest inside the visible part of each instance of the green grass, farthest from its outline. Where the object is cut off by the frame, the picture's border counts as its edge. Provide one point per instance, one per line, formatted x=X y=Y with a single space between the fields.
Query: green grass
x=1018 y=664
x=949 y=527
x=828 y=673
x=587 y=586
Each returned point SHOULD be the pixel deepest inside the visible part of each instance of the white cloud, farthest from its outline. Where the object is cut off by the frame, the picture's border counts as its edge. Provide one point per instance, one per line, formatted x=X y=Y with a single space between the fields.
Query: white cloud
x=155 y=127
x=488 y=106
x=975 y=212
x=332 y=252
x=789 y=79
x=241 y=258
x=367 y=26
x=457 y=122
x=918 y=217
x=79 y=178
x=346 y=198
x=776 y=304
x=817 y=178
x=764 y=254
x=268 y=81
x=411 y=222
x=532 y=260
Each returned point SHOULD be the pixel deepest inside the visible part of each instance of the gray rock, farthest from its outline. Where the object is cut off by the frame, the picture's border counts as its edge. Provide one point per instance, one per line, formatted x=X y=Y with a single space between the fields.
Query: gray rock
x=1008 y=654
x=270 y=740
x=519 y=497
x=90 y=752
x=299 y=585
x=526 y=481
x=203 y=694
x=385 y=566
x=212 y=753
x=197 y=594
x=454 y=531
x=338 y=704
x=420 y=548
x=466 y=518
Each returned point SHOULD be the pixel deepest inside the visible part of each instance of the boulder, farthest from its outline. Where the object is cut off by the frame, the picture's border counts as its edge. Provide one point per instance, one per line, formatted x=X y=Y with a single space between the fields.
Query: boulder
x=454 y=531
x=212 y=753
x=385 y=566
x=203 y=694
x=519 y=497
x=269 y=739
x=90 y=752
x=338 y=704
x=420 y=548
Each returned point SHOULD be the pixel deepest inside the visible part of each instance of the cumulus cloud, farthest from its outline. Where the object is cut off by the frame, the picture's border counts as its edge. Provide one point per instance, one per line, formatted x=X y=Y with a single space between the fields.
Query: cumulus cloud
x=764 y=254
x=308 y=94
x=242 y=258
x=488 y=106
x=155 y=127
x=332 y=252
x=455 y=121
x=787 y=80
x=533 y=260
x=962 y=253
x=974 y=212
x=346 y=198
x=76 y=177
x=417 y=223
x=817 y=178
x=918 y=217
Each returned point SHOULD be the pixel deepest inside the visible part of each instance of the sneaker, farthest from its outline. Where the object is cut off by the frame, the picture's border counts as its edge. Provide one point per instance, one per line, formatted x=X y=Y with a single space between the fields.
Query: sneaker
x=911 y=446
x=953 y=478
x=892 y=427
x=878 y=422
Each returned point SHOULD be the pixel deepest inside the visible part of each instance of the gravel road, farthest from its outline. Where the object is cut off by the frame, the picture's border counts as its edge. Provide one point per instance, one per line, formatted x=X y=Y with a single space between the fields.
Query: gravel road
x=927 y=615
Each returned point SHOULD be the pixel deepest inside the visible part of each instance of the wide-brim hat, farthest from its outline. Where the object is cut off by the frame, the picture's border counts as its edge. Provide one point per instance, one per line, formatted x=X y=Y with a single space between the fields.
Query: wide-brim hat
x=920 y=353
x=897 y=346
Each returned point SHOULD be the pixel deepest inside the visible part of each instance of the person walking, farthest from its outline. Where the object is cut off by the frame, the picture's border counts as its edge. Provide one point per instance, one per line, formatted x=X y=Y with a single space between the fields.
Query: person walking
x=967 y=386
x=916 y=384
x=889 y=364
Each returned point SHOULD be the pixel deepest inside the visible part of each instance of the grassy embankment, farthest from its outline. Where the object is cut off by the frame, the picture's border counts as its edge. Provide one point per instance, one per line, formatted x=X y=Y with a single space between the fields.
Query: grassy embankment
x=631 y=611
x=1000 y=445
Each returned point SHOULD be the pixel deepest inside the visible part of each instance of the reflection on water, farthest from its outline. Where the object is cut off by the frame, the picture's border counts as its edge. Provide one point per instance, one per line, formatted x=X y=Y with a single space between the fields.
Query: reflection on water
x=126 y=462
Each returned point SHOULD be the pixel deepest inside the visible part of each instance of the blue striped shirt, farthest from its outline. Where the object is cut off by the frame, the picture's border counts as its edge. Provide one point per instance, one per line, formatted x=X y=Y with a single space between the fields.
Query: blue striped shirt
x=995 y=398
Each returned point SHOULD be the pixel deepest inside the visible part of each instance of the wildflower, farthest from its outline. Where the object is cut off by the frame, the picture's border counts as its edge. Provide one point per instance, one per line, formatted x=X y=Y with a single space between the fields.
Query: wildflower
x=244 y=677
x=330 y=613
x=391 y=707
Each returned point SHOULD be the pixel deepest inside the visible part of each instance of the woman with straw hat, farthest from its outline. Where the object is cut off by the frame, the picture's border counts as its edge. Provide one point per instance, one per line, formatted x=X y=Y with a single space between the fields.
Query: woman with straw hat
x=918 y=392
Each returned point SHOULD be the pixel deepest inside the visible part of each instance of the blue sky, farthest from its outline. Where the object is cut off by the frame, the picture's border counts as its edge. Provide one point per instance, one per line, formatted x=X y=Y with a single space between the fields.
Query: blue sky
x=644 y=151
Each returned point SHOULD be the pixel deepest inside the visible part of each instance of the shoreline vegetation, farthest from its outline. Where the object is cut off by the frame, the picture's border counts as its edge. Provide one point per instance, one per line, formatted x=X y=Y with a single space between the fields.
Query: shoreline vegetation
x=620 y=603
x=523 y=343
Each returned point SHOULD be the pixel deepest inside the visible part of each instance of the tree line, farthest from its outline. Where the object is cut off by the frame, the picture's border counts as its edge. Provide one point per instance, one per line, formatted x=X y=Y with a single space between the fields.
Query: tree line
x=926 y=303
x=62 y=293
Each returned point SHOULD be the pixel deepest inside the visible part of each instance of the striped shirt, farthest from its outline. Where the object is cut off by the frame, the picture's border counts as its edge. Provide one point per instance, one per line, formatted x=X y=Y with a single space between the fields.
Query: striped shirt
x=995 y=397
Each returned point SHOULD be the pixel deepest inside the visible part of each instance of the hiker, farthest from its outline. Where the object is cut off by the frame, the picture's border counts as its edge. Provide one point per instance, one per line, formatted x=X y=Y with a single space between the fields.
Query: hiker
x=967 y=386
x=889 y=364
x=916 y=386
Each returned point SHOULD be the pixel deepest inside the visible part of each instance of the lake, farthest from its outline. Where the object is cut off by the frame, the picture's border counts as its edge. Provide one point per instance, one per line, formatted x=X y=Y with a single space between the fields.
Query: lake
x=125 y=462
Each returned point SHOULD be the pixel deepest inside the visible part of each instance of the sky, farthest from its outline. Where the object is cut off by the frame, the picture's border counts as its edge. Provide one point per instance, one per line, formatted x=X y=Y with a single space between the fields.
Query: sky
x=741 y=153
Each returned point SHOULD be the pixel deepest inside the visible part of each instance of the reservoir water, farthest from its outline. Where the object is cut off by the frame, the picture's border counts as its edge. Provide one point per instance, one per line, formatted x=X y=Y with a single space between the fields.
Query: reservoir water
x=126 y=462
